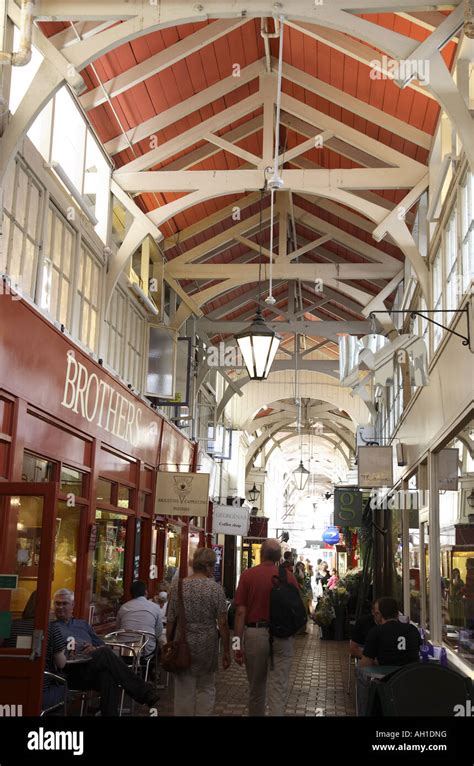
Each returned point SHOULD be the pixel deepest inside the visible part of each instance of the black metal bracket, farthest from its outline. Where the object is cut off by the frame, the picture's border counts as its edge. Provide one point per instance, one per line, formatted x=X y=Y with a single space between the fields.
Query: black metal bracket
x=466 y=339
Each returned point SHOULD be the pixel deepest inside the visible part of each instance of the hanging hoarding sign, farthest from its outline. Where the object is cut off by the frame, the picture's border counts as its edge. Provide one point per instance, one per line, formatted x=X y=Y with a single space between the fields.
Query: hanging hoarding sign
x=182 y=377
x=375 y=467
x=448 y=461
x=182 y=494
x=230 y=520
x=161 y=373
x=347 y=507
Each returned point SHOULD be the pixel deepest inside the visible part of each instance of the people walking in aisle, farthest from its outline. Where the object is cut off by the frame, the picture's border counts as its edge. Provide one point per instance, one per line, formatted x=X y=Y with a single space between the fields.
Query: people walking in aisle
x=105 y=671
x=252 y=624
x=333 y=580
x=205 y=610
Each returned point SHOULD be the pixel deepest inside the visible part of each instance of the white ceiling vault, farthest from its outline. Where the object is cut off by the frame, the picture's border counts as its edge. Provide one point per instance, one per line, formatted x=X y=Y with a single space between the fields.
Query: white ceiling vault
x=183 y=98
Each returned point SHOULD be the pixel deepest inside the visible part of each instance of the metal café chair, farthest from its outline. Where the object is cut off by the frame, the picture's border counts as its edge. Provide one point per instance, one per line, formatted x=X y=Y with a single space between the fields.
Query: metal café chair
x=129 y=645
x=62 y=703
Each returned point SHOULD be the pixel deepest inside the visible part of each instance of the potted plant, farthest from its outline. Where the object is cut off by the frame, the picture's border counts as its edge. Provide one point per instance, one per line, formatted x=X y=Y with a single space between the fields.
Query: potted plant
x=339 y=597
x=324 y=616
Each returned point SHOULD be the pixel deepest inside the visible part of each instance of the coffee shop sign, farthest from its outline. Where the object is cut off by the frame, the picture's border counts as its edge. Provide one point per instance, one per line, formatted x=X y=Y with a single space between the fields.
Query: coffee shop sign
x=96 y=401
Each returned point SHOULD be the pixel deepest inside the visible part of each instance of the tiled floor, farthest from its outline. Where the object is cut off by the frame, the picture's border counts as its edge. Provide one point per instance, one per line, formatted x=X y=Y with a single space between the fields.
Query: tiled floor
x=318 y=682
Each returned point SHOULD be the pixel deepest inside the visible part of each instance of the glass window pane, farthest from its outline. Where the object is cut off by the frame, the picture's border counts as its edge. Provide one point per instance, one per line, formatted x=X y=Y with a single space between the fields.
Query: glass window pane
x=21 y=196
x=108 y=565
x=65 y=546
x=36 y=469
x=124 y=497
x=104 y=491
x=72 y=481
x=20 y=556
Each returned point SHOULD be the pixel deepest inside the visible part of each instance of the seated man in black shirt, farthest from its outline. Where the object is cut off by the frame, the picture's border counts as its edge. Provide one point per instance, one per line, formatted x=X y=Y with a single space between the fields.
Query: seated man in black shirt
x=391 y=642
x=361 y=630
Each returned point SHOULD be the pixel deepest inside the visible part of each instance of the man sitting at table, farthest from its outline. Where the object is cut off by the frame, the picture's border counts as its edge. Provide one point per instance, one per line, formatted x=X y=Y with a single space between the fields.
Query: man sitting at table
x=391 y=642
x=105 y=670
x=141 y=614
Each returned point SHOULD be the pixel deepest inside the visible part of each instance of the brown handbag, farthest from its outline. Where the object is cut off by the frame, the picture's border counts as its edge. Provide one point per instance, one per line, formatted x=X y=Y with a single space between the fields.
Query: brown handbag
x=175 y=655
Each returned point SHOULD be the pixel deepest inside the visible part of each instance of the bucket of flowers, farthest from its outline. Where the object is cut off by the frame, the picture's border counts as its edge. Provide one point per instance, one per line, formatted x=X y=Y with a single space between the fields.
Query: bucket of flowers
x=324 y=616
x=339 y=597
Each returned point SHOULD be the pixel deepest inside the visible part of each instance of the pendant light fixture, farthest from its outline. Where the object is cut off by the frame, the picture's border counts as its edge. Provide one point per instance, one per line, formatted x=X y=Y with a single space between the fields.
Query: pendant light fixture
x=258 y=344
x=253 y=493
x=300 y=474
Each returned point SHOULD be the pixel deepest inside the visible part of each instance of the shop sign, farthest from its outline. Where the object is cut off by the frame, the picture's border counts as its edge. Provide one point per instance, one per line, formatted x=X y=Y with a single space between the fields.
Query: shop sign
x=375 y=466
x=99 y=403
x=182 y=494
x=8 y=582
x=331 y=535
x=347 y=507
x=448 y=462
x=230 y=520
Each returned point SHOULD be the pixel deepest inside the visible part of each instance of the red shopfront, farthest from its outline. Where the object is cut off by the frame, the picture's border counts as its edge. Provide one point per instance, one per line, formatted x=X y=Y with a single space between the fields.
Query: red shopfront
x=79 y=457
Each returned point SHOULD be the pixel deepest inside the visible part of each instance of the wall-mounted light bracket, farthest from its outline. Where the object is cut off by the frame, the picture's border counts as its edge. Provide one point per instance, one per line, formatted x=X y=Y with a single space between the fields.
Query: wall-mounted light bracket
x=466 y=339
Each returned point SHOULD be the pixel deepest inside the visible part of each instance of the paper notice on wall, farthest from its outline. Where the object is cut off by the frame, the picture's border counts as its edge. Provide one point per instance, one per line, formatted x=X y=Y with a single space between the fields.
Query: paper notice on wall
x=230 y=520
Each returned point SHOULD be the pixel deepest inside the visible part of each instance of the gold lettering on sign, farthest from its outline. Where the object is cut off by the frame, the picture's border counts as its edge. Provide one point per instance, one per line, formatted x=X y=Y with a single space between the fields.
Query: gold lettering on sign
x=96 y=401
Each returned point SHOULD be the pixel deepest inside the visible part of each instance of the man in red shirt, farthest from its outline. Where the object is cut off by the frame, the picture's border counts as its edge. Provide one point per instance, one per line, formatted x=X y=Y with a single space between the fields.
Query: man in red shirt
x=252 y=601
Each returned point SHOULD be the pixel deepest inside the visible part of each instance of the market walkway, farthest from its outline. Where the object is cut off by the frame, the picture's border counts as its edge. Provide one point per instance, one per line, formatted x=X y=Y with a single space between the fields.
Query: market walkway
x=318 y=682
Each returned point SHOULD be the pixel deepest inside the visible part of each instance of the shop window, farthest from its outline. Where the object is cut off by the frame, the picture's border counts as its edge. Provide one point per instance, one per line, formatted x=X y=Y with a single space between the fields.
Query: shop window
x=72 y=481
x=65 y=546
x=124 y=497
x=89 y=286
x=36 y=469
x=104 y=491
x=458 y=615
x=23 y=205
x=21 y=556
x=172 y=553
x=415 y=583
x=108 y=565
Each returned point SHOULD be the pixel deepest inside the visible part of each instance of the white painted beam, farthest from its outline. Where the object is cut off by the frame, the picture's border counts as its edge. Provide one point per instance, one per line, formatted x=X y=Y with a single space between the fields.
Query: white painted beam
x=352 y=48
x=219 y=182
x=249 y=272
x=448 y=95
x=306 y=146
x=355 y=105
x=193 y=135
x=227 y=146
x=436 y=41
x=160 y=61
x=401 y=209
x=346 y=133
x=310 y=246
x=184 y=108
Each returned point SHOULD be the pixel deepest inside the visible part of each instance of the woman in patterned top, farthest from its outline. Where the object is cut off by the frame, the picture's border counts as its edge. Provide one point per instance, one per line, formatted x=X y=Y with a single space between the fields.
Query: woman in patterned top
x=205 y=609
